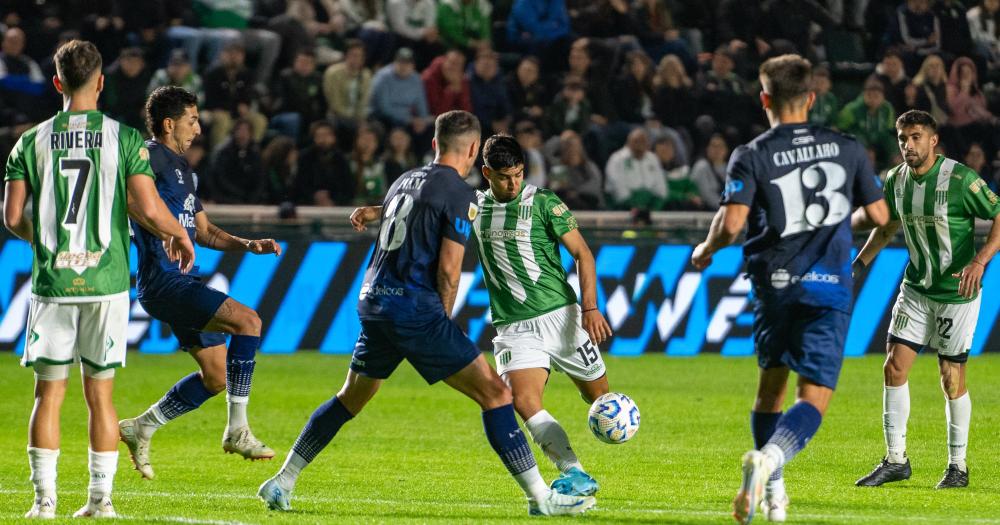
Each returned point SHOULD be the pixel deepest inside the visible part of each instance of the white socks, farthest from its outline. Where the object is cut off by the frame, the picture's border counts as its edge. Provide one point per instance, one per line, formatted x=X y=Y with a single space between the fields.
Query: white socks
x=237 y=411
x=43 y=470
x=895 y=413
x=150 y=420
x=552 y=439
x=958 y=412
x=532 y=484
x=290 y=471
x=102 y=473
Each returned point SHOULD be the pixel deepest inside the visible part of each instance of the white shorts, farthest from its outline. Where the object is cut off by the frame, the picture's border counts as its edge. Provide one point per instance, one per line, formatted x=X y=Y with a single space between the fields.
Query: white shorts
x=554 y=340
x=90 y=333
x=946 y=328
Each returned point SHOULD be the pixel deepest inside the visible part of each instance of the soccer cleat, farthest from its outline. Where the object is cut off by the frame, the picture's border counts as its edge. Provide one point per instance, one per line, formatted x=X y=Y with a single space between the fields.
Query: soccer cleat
x=44 y=508
x=241 y=441
x=556 y=504
x=138 y=447
x=954 y=478
x=774 y=509
x=575 y=482
x=756 y=469
x=97 y=508
x=274 y=496
x=886 y=472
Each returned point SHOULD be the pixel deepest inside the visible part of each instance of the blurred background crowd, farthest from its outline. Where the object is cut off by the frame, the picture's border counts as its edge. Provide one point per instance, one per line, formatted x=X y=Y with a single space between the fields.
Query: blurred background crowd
x=619 y=104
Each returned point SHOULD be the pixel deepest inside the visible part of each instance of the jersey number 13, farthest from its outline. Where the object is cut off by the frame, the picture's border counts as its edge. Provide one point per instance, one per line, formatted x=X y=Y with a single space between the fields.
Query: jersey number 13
x=813 y=197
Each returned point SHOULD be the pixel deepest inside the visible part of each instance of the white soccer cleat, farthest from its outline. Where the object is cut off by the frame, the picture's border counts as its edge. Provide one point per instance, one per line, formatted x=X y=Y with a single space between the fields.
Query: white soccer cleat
x=43 y=508
x=556 y=504
x=99 y=508
x=241 y=441
x=275 y=497
x=776 y=508
x=757 y=467
x=138 y=447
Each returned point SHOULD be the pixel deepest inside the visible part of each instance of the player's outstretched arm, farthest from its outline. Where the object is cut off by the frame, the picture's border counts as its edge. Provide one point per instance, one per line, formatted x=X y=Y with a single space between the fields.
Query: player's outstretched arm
x=972 y=274
x=726 y=226
x=878 y=239
x=13 y=210
x=360 y=217
x=211 y=236
x=593 y=321
x=449 y=272
x=147 y=209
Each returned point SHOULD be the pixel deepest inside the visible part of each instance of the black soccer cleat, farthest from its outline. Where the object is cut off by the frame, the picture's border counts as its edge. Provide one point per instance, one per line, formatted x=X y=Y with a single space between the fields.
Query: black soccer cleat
x=886 y=472
x=954 y=478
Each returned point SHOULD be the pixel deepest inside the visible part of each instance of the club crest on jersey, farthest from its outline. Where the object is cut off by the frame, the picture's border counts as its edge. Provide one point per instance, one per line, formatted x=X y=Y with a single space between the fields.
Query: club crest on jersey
x=524 y=212
x=941 y=197
x=189 y=203
x=473 y=211
x=180 y=176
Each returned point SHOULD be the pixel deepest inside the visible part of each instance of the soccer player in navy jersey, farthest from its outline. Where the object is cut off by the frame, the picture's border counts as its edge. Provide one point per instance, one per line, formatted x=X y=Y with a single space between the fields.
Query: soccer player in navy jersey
x=797 y=184
x=405 y=310
x=198 y=314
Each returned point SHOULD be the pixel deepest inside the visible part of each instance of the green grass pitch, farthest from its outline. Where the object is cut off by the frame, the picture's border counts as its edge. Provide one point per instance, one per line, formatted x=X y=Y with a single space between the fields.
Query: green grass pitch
x=418 y=454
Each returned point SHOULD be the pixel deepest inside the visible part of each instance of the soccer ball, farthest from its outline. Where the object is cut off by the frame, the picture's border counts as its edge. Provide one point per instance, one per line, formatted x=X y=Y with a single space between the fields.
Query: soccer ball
x=614 y=418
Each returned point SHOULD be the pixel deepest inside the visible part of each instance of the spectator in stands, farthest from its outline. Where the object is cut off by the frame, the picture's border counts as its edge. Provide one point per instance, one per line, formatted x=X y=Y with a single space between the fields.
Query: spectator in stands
x=281 y=166
x=633 y=89
x=682 y=192
x=931 y=85
x=540 y=28
x=445 y=83
x=415 y=25
x=893 y=76
x=916 y=30
x=489 y=92
x=125 y=88
x=320 y=25
x=793 y=21
x=956 y=37
x=525 y=91
x=324 y=176
x=464 y=24
x=709 y=172
x=975 y=158
x=673 y=97
x=365 y=19
x=298 y=95
x=872 y=120
x=105 y=28
x=740 y=26
x=722 y=94
x=398 y=99
x=230 y=94
x=826 y=106
x=399 y=157
x=530 y=140
x=595 y=75
x=659 y=34
x=575 y=178
x=367 y=168
x=220 y=18
x=178 y=73
x=607 y=19
x=570 y=110
x=969 y=113
x=634 y=178
x=195 y=156
x=21 y=80
x=347 y=85
x=984 y=24
x=237 y=169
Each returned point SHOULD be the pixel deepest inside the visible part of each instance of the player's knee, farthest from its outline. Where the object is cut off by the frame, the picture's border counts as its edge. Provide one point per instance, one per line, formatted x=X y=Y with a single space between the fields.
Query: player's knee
x=894 y=372
x=214 y=380
x=496 y=394
x=526 y=405
x=250 y=323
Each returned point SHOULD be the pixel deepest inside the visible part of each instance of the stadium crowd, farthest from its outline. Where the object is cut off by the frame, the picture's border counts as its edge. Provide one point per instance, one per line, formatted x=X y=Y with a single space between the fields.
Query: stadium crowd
x=619 y=104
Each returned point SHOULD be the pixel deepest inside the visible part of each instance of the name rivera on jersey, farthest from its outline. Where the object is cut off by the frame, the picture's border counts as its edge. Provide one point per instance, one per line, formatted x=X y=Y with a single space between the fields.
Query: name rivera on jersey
x=76 y=139
x=806 y=153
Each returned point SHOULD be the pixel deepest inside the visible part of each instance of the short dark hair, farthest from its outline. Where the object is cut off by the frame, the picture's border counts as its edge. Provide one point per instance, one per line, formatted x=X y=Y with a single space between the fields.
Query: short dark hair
x=786 y=78
x=452 y=125
x=76 y=62
x=353 y=43
x=167 y=102
x=322 y=123
x=305 y=51
x=501 y=151
x=915 y=117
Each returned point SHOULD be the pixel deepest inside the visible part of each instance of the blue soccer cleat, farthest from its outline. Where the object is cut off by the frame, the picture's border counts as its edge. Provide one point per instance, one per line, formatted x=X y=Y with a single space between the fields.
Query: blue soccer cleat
x=575 y=482
x=275 y=497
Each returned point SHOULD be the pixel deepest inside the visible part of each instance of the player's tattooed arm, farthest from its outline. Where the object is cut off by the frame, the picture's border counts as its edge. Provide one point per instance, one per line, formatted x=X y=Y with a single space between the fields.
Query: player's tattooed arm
x=14 y=217
x=211 y=236
x=449 y=272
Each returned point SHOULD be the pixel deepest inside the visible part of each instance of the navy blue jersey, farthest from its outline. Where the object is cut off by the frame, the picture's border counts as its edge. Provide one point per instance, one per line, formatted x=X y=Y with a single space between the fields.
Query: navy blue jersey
x=422 y=207
x=177 y=186
x=801 y=182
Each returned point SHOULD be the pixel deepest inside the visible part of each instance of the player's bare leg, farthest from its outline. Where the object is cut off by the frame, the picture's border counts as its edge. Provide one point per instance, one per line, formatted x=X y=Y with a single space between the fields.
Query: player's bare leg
x=188 y=394
x=323 y=425
x=958 y=412
x=481 y=383
x=895 y=466
x=43 y=445
x=98 y=387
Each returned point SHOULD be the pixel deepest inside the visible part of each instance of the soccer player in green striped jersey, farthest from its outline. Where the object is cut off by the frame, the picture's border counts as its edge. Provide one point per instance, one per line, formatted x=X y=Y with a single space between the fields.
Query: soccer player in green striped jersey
x=539 y=324
x=936 y=201
x=86 y=174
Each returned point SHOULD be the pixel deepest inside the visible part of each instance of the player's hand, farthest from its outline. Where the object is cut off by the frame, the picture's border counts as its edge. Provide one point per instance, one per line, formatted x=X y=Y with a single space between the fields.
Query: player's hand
x=596 y=325
x=181 y=251
x=363 y=215
x=971 y=279
x=263 y=246
x=701 y=257
x=858 y=268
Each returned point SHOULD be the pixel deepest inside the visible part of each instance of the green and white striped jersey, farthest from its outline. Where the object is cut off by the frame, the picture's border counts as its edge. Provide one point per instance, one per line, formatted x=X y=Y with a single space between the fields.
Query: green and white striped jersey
x=938 y=212
x=75 y=165
x=518 y=244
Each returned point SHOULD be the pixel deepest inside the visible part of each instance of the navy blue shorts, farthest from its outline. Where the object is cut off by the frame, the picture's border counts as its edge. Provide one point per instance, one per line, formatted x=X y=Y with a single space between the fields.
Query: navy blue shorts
x=437 y=348
x=808 y=339
x=186 y=304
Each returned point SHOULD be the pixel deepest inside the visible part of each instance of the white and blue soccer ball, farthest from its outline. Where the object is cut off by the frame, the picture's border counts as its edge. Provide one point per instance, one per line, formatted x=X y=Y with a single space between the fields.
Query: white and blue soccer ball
x=614 y=418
